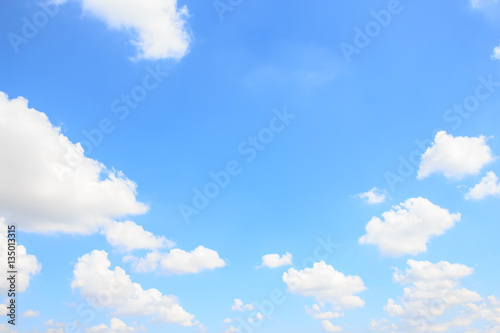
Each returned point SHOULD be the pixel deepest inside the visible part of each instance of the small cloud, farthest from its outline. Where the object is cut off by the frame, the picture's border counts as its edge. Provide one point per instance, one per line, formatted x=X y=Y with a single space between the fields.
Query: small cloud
x=488 y=186
x=31 y=313
x=373 y=196
x=275 y=260
x=239 y=305
x=496 y=53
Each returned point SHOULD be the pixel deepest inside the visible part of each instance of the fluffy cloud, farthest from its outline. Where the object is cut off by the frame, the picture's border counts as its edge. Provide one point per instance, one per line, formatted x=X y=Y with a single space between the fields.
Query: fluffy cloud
x=407 y=228
x=239 y=305
x=329 y=327
x=455 y=157
x=275 y=260
x=373 y=196
x=115 y=326
x=130 y=236
x=325 y=284
x=496 y=53
x=489 y=185
x=48 y=185
x=177 y=261
x=431 y=294
x=113 y=289
x=27 y=264
x=158 y=27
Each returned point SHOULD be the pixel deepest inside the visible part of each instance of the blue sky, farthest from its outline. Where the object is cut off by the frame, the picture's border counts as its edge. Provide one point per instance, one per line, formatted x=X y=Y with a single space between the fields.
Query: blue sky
x=351 y=165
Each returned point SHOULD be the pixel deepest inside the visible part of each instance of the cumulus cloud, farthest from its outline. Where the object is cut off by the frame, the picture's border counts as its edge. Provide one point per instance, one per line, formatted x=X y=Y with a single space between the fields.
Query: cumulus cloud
x=115 y=326
x=114 y=289
x=177 y=261
x=275 y=260
x=455 y=157
x=407 y=228
x=129 y=236
x=48 y=185
x=373 y=196
x=431 y=295
x=27 y=265
x=488 y=186
x=158 y=28
x=325 y=284
x=239 y=305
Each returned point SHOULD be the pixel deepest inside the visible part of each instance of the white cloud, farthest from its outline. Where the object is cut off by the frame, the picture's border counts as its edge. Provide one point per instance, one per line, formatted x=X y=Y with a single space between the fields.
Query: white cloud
x=329 y=327
x=407 y=228
x=455 y=157
x=178 y=261
x=114 y=289
x=158 y=28
x=31 y=313
x=317 y=313
x=496 y=53
x=431 y=294
x=373 y=196
x=48 y=185
x=275 y=260
x=27 y=265
x=325 y=284
x=129 y=236
x=239 y=305
x=115 y=326
x=489 y=185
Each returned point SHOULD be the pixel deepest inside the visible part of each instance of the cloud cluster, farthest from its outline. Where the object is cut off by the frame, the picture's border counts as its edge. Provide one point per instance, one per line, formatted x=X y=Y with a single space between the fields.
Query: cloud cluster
x=48 y=185
x=432 y=291
x=406 y=229
x=177 y=261
x=113 y=289
x=455 y=157
x=326 y=284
